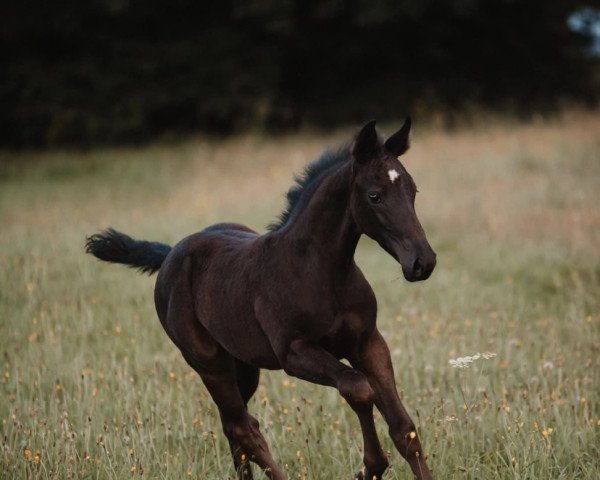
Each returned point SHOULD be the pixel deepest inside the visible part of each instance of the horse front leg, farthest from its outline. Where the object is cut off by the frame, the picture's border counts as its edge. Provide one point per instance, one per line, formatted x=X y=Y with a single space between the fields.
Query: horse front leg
x=374 y=361
x=309 y=362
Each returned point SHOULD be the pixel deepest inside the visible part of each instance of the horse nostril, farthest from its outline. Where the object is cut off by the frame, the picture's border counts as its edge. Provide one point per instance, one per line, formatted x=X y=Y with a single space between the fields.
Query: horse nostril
x=418 y=267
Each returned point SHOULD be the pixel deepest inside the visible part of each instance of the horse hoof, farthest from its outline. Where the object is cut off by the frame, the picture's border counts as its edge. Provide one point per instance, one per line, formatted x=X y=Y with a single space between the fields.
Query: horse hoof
x=359 y=476
x=364 y=475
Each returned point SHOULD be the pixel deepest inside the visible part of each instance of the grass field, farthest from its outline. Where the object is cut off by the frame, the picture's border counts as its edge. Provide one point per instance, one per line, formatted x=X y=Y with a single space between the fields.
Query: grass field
x=92 y=388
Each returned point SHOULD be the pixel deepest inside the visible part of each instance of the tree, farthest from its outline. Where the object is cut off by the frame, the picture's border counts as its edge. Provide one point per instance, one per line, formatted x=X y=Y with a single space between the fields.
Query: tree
x=114 y=71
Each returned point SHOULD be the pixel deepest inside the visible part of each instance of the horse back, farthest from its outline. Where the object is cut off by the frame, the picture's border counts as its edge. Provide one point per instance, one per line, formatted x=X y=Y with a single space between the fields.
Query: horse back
x=231 y=229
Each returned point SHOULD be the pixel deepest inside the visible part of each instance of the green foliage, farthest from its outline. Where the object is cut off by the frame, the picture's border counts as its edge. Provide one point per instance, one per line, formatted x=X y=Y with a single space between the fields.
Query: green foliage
x=105 y=72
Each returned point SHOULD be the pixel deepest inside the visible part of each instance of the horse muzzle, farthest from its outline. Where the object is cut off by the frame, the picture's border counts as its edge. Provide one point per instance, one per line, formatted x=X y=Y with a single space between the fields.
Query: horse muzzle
x=417 y=263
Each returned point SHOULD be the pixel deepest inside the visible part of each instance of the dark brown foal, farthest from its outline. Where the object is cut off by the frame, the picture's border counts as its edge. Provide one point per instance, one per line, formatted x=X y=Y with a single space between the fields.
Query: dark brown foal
x=234 y=301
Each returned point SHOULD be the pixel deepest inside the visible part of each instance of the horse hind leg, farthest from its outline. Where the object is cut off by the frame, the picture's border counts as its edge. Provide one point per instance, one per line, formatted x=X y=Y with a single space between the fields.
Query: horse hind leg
x=240 y=427
x=247 y=380
x=229 y=385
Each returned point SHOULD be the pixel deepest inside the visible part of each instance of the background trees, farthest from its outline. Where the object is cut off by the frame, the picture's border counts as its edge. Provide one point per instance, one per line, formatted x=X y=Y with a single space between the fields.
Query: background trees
x=113 y=71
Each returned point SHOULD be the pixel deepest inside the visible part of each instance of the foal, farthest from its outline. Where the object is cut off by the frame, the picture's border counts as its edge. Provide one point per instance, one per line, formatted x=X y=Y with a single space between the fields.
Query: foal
x=234 y=301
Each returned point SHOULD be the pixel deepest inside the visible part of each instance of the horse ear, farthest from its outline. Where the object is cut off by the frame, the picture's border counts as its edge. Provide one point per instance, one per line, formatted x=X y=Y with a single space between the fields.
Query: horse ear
x=366 y=143
x=399 y=142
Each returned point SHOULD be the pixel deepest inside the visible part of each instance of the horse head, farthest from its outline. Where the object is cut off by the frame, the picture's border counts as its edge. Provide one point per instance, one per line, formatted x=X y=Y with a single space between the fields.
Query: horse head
x=383 y=200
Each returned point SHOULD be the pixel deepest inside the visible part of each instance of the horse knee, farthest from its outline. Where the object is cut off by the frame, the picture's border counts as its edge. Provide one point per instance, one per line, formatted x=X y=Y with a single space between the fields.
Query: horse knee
x=356 y=389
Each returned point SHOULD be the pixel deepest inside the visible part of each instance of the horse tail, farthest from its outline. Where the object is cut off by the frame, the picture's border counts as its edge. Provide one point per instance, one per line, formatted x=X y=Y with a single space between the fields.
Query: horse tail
x=116 y=247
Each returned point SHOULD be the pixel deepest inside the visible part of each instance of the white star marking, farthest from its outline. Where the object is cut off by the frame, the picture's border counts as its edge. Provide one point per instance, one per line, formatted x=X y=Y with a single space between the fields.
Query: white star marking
x=393 y=174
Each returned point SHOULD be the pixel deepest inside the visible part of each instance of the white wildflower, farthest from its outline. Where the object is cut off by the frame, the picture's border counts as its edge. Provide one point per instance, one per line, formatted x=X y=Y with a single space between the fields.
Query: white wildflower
x=548 y=365
x=465 y=362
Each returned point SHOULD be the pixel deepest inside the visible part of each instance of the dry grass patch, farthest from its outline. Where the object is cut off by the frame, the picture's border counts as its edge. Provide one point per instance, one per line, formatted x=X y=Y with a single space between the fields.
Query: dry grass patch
x=92 y=388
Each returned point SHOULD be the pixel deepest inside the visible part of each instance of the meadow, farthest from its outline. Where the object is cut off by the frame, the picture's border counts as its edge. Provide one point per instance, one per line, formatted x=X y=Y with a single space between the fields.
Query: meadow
x=91 y=387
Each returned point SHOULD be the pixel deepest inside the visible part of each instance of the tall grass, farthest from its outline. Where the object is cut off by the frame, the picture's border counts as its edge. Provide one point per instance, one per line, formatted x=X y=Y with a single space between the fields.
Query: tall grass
x=92 y=388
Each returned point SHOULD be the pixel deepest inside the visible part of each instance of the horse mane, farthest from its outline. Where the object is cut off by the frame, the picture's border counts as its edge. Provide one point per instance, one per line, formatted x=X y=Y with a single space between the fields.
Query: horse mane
x=307 y=182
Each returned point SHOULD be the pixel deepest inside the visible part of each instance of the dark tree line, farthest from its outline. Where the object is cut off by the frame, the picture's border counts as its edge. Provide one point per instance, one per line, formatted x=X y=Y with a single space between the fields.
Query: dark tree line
x=113 y=71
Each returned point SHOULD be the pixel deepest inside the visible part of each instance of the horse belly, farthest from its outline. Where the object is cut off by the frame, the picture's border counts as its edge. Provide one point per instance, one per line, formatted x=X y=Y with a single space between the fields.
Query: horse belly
x=238 y=332
x=251 y=346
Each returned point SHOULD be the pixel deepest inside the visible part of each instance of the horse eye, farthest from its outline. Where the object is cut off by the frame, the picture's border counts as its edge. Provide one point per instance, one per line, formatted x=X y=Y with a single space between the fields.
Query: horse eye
x=374 y=197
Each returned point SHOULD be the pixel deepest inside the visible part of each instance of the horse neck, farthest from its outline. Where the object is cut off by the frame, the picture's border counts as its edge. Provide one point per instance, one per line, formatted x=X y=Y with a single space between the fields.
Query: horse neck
x=325 y=228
